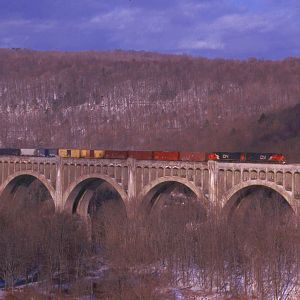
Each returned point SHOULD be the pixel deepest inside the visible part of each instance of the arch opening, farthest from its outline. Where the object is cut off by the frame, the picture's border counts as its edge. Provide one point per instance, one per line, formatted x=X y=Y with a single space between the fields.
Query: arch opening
x=173 y=202
x=89 y=195
x=26 y=194
x=257 y=203
x=98 y=202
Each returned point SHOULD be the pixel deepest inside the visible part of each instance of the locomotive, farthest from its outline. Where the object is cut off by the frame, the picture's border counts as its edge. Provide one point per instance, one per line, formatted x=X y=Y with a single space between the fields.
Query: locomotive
x=246 y=157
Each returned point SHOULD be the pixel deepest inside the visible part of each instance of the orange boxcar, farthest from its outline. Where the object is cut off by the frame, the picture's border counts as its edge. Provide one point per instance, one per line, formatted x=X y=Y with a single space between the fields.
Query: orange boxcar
x=164 y=155
x=141 y=155
x=116 y=154
x=192 y=156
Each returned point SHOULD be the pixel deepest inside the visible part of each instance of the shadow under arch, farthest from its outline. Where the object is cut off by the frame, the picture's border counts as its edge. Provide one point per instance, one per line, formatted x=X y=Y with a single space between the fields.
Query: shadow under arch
x=235 y=196
x=80 y=193
x=150 y=194
x=25 y=179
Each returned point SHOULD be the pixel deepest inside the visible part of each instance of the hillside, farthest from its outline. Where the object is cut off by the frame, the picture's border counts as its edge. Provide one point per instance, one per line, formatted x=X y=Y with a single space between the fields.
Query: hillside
x=142 y=100
x=279 y=130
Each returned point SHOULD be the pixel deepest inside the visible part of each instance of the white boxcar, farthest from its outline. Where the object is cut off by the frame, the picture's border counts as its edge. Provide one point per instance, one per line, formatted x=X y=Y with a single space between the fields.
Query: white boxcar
x=28 y=152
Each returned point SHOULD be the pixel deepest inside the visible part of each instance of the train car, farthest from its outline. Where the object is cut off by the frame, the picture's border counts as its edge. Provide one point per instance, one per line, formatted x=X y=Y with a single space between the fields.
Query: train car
x=85 y=153
x=75 y=153
x=51 y=152
x=192 y=156
x=278 y=158
x=64 y=153
x=80 y=153
x=265 y=157
x=111 y=154
x=141 y=155
x=165 y=155
x=10 y=151
x=46 y=152
x=99 y=153
x=226 y=156
x=28 y=152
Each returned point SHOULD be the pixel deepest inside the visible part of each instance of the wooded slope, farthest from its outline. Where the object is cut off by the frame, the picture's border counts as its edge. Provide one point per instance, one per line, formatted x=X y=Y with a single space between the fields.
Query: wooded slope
x=142 y=100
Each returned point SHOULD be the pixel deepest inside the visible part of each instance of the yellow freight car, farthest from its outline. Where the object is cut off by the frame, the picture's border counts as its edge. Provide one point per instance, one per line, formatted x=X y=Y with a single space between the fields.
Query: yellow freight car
x=85 y=153
x=64 y=152
x=81 y=153
x=75 y=153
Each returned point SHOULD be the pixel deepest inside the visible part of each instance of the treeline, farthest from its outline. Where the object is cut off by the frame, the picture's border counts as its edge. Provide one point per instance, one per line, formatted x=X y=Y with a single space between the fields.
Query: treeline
x=141 y=100
x=242 y=257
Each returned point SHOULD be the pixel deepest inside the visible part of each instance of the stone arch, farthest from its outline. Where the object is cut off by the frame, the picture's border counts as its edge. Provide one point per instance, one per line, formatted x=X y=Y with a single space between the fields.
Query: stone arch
x=228 y=197
x=288 y=180
x=36 y=175
x=245 y=175
x=297 y=185
x=254 y=175
x=175 y=171
x=160 y=171
x=229 y=175
x=262 y=175
x=279 y=178
x=183 y=172
x=74 y=189
x=237 y=177
x=154 y=187
x=168 y=171
x=271 y=176
x=9 y=184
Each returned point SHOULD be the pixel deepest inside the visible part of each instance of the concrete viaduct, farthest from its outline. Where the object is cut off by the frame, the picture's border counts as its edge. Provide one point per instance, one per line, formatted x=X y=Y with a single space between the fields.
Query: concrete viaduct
x=71 y=182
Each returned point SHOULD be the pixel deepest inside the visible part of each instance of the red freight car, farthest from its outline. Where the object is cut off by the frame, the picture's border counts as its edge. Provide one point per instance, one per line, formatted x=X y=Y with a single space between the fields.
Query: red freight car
x=141 y=155
x=192 y=156
x=163 y=155
x=116 y=154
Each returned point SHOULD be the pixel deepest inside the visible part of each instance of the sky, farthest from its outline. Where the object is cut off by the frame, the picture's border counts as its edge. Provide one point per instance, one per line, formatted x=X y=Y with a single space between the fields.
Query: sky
x=266 y=29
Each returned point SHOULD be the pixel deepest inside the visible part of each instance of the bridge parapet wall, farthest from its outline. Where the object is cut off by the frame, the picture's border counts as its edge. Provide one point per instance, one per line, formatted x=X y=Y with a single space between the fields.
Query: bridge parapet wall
x=148 y=172
x=73 y=169
x=44 y=167
x=284 y=178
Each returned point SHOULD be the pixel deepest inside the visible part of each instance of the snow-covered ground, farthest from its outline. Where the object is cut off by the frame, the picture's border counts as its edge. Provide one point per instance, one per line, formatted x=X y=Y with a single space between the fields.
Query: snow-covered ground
x=174 y=287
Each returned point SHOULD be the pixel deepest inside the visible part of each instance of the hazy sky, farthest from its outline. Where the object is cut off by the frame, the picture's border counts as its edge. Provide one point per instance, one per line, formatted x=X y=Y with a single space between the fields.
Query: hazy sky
x=212 y=28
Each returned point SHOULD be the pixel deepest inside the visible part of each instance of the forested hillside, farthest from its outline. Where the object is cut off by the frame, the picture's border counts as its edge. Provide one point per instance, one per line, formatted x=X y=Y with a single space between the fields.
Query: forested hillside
x=140 y=100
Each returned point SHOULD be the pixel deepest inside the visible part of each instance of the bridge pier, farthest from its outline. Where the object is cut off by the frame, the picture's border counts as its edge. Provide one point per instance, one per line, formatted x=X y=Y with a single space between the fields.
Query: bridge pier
x=59 y=201
x=131 y=179
x=212 y=167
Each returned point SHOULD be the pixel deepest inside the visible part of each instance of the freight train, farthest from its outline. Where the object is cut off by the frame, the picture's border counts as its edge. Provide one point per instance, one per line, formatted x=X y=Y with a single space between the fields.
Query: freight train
x=150 y=155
